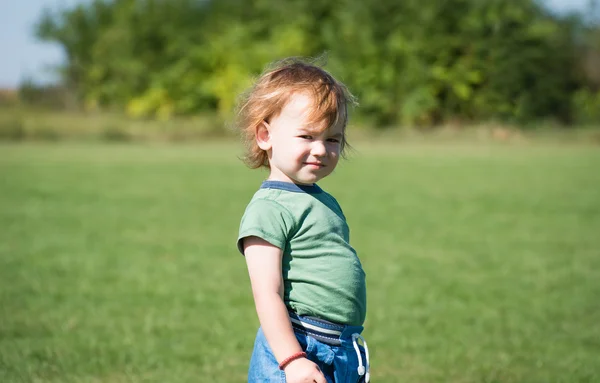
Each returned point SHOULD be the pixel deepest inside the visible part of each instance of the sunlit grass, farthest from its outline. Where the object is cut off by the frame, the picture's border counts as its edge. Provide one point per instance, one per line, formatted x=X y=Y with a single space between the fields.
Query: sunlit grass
x=118 y=262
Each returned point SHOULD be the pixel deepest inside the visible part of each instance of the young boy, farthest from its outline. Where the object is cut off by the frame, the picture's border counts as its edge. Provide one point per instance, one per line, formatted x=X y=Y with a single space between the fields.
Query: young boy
x=307 y=281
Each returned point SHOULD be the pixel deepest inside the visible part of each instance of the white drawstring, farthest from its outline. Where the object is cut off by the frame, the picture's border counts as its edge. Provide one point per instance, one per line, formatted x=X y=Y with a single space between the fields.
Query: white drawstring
x=361 y=369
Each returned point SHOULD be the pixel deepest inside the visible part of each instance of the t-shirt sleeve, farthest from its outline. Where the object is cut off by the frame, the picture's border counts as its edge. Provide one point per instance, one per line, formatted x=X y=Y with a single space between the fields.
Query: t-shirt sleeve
x=268 y=220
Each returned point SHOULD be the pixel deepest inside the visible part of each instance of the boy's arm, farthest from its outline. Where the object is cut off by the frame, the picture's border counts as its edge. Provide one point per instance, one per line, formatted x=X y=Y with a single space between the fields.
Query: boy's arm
x=264 y=267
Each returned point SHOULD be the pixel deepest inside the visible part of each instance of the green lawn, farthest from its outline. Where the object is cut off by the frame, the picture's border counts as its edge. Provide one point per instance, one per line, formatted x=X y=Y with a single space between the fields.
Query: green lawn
x=118 y=262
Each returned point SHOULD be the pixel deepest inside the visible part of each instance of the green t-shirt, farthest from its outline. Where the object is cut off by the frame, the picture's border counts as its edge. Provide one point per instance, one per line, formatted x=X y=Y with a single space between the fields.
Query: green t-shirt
x=322 y=274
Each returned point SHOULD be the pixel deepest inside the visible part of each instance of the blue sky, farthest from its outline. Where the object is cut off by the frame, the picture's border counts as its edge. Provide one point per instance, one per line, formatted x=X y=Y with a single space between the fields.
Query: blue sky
x=23 y=56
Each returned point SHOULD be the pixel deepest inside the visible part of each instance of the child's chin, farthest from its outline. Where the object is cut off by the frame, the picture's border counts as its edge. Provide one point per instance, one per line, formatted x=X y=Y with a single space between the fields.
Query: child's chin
x=309 y=180
x=309 y=177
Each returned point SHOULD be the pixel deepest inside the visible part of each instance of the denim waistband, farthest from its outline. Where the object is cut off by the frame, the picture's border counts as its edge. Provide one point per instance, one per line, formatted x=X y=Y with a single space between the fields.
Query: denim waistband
x=334 y=334
x=324 y=331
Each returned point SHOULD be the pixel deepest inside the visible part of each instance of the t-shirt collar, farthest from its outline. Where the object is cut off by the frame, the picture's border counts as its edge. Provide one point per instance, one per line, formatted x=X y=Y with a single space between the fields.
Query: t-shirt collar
x=292 y=187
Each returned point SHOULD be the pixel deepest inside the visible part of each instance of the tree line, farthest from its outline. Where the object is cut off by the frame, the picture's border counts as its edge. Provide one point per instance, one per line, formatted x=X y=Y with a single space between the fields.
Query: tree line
x=409 y=62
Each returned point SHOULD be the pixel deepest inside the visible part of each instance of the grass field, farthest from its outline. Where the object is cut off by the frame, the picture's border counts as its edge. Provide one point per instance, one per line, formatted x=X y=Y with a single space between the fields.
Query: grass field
x=118 y=262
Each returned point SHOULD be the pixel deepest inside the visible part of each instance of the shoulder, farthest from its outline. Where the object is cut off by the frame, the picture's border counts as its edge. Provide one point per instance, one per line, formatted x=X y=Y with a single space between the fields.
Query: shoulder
x=267 y=201
x=267 y=218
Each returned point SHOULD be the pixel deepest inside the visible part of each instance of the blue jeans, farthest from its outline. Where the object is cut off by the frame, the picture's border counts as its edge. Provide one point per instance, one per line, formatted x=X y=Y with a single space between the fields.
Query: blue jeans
x=339 y=363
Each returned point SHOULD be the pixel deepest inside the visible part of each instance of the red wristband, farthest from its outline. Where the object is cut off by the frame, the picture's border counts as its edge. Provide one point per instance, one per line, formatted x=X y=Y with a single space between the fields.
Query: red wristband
x=290 y=359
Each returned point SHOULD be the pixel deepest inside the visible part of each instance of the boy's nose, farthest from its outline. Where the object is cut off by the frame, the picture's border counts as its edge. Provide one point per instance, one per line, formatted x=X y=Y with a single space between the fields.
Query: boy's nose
x=318 y=149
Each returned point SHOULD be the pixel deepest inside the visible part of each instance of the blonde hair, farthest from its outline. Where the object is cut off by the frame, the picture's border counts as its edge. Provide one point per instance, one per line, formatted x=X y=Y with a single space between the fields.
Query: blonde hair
x=272 y=91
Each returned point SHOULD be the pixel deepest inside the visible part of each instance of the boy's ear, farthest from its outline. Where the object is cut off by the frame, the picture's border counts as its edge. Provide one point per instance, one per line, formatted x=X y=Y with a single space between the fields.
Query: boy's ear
x=263 y=138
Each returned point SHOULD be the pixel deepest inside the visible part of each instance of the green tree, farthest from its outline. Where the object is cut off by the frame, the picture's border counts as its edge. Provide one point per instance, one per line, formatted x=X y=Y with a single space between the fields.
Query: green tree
x=414 y=62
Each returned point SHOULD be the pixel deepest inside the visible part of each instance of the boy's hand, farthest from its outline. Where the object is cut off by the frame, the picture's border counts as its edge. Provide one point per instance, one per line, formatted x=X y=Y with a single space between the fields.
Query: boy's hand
x=303 y=371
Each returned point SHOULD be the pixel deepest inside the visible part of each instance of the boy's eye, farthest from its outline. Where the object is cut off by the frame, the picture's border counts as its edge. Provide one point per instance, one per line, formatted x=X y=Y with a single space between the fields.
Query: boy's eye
x=305 y=137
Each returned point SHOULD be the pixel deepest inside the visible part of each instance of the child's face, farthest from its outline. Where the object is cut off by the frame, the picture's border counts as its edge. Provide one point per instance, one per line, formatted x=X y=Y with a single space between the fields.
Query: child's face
x=297 y=152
